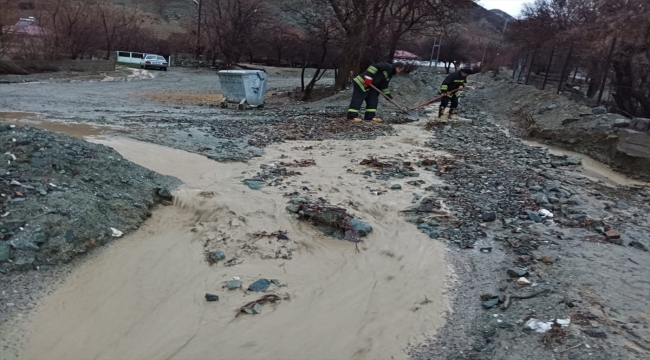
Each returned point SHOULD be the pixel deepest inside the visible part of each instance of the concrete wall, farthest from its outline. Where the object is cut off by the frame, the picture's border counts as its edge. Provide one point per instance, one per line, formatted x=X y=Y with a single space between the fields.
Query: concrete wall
x=37 y=66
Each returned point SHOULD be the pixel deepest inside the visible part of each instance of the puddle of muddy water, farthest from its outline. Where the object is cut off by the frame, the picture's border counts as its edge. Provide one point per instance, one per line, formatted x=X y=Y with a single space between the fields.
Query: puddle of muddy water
x=143 y=297
x=592 y=168
x=77 y=130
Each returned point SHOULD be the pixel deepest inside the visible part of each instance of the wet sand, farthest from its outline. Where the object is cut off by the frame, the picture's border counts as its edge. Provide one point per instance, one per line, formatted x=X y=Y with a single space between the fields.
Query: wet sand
x=77 y=130
x=143 y=297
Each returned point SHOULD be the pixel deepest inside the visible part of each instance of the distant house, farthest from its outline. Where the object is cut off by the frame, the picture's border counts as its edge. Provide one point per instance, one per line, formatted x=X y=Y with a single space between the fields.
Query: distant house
x=26 y=27
x=24 y=38
x=405 y=55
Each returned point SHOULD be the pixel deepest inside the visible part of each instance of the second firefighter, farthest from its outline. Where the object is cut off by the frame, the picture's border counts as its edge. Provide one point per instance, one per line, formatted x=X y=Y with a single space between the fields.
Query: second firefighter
x=454 y=81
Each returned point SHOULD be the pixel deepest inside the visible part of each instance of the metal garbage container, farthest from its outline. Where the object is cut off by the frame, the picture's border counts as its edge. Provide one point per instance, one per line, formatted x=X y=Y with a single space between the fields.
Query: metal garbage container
x=243 y=86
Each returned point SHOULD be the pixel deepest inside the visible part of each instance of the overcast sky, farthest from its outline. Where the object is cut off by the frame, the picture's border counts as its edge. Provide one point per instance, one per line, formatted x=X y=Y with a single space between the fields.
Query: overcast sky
x=512 y=7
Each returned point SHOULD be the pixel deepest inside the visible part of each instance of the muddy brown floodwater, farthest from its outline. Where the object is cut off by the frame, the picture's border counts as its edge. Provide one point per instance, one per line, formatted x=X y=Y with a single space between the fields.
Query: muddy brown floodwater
x=77 y=130
x=143 y=297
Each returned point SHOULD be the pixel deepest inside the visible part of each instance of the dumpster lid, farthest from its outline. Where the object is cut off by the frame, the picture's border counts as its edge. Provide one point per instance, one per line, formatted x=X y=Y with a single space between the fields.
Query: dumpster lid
x=240 y=72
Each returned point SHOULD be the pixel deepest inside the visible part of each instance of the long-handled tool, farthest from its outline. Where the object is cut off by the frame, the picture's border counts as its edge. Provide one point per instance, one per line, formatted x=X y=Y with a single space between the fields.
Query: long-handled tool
x=434 y=99
x=410 y=114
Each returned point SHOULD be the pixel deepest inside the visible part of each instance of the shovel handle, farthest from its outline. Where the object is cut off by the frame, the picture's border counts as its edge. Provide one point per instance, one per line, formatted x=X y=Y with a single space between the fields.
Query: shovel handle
x=389 y=99
x=434 y=99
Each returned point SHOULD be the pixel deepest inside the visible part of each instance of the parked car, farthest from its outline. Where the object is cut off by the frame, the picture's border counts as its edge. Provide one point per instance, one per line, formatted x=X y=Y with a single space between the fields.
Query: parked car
x=154 y=61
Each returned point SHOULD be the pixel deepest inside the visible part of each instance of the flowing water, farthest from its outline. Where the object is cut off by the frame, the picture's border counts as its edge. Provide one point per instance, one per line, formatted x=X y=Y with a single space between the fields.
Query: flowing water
x=143 y=297
x=77 y=130
x=590 y=167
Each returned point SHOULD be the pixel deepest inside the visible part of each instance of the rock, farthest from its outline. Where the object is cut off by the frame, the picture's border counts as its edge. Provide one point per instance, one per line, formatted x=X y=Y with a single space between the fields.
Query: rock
x=574 y=160
x=434 y=234
x=361 y=227
x=522 y=281
x=599 y=110
x=621 y=123
x=534 y=217
x=70 y=237
x=612 y=234
x=424 y=227
x=600 y=229
x=234 y=283
x=164 y=192
x=217 y=255
x=298 y=200
x=552 y=106
x=396 y=187
x=5 y=251
x=490 y=303
x=23 y=245
x=505 y=325
x=568 y=121
x=293 y=208
x=489 y=216
x=254 y=184
x=259 y=285
x=547 y=259
x=634 y=244
x=595 y=333
x=24 y=263
x=623 y=205
x=211 y=297
x=517 y=273
x=255 y=309
x=541 y=199
x=546 y=175
x=578 y=217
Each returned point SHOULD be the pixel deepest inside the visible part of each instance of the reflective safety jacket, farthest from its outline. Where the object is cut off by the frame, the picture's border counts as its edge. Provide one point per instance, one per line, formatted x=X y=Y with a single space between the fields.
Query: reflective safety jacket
x=452 y=82
x=381 y=75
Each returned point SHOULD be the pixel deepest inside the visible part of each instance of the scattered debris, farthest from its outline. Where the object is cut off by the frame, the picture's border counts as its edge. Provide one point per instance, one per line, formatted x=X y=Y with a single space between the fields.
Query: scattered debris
x=486 y=250
x=116 y=233
x=612 y=234
x=542 y=327
x=595 y=332
x=547 y=260
x=266 y=299
x=522 y=281
x=299 y=163
x=546 y=214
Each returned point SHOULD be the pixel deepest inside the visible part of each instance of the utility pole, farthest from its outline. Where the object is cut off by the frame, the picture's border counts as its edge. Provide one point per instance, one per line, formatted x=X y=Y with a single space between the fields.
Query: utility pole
x=198 y=30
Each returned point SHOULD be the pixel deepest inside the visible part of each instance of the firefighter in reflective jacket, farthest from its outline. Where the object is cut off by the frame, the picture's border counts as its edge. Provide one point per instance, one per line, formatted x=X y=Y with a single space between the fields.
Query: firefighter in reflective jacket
x=378 y=75
x=453 y=81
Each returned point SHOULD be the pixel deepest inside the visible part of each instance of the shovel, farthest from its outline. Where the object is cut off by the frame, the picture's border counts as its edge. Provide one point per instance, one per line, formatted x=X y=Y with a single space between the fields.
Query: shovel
x=434 y=100
x=410 y=114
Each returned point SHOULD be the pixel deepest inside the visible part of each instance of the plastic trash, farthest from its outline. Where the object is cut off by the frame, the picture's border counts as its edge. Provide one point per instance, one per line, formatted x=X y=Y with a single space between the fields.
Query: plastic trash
x=116 y=233
x=542 y=327
x=545 y=213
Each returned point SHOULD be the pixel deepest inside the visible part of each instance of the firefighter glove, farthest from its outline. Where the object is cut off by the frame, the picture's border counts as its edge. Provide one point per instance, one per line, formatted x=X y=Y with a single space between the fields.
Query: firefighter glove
x=367 y=80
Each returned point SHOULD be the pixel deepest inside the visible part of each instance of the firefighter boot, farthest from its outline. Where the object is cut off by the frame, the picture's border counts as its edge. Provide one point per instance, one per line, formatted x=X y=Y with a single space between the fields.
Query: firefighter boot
x=452 y=113
x=441 y=113
x=377 y=120
x=358 y=119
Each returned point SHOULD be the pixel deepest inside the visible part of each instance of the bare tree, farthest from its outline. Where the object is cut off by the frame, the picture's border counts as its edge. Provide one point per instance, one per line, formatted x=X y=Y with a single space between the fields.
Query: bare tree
x=115 y=22
x=232 y=25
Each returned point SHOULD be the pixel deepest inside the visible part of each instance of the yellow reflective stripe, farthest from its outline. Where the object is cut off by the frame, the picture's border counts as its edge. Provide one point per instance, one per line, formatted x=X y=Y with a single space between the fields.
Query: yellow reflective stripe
x=359 y=81
x=459 y=81
x=371 y=110
x=386 y=74
x=353 y=110
x=372 y=69
x=444 y=87
x=386 y=91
